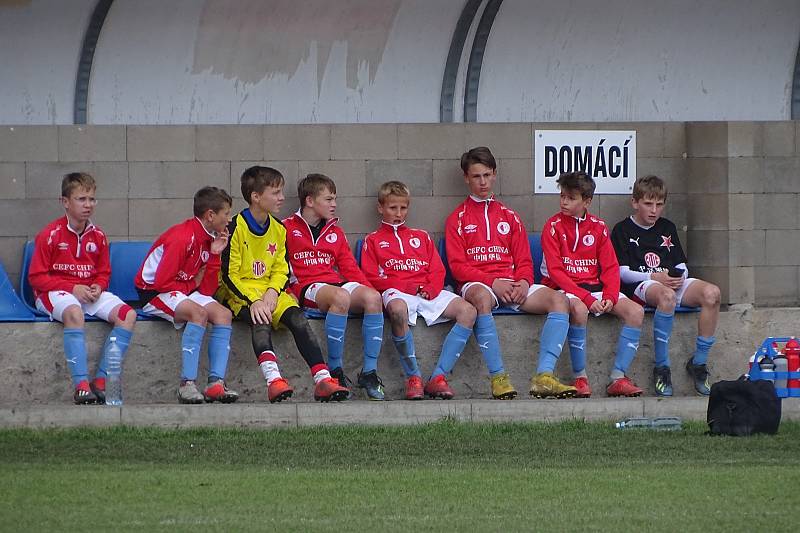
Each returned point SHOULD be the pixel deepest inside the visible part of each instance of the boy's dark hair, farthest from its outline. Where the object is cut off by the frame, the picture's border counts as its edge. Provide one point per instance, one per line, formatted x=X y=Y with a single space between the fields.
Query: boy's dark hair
x=312 y=185
x=74 y=180
x=577 y=181
x=393 y=188
x=480 y=154
x=212 y=198
x=256 y=179
x=649 y=187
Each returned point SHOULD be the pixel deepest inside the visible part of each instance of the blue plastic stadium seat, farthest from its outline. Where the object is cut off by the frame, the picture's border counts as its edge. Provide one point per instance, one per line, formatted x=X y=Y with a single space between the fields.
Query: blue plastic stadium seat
x=535 y=241
x=12 y=309
x=357 y=253
x=126 y=258
x=25 y=289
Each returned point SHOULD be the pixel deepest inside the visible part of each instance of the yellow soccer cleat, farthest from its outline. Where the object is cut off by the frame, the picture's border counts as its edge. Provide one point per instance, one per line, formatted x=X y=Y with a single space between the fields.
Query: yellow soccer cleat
x=502 y=389
x=546 y=385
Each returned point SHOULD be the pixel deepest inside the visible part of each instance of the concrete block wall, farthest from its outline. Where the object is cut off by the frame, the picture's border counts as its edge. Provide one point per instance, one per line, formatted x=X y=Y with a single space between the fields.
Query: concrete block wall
x=733 y=186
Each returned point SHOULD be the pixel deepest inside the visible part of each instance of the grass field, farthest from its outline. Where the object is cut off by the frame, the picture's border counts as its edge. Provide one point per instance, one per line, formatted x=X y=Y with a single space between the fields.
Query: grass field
x=568 y=476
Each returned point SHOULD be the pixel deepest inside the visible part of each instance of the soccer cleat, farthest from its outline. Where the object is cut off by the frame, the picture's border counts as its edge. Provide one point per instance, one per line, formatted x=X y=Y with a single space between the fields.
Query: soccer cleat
x=623 y=387
x=188 y=393
x=502 y=389
x=83 y=394
x=546 y=385
x=662 y=376
x=414 y=389
x=338 y=374
x=98 y=386
x=699 y=375
x=371 y=383
x=583 y=390
x=279 y=390
x=329 y=390
x=218 y=392
x=437 y=387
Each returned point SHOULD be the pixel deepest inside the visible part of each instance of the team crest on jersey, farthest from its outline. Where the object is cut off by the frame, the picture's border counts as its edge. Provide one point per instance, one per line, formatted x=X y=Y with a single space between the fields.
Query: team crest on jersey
x=272 y=248
x=204 y=255
x=259 y=268
x=652 y=260
x=331 y=238
x=470 y=228
x=503 y=228
x=91 y=247
x=384 y=244
x=588 y=239
x=414 y=242
x=666 y=242
x=297 y=233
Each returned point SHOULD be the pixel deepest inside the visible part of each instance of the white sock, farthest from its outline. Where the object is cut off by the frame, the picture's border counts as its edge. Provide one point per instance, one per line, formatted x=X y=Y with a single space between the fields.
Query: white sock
x=319 y=376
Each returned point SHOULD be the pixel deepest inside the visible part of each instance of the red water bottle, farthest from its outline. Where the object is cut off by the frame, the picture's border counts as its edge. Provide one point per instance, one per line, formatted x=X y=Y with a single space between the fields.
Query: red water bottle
x=792 y=350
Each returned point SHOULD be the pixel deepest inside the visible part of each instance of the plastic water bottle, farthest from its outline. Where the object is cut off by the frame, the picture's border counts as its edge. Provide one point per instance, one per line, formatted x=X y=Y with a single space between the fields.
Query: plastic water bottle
x=114 y=373
x=661 y=423
x=767 y=367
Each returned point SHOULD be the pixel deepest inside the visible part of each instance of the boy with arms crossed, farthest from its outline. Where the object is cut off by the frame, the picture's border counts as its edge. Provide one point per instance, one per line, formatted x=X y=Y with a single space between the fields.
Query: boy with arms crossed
x=253 y=277
x=177 y=280
x=654 y=272
x=404 y=265
x=490 y=257
x=579 y=259
x=324 y=274
x=69 y=273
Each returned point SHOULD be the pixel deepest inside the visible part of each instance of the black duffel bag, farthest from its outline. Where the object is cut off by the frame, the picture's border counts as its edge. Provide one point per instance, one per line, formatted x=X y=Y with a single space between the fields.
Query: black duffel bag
x=743 y=407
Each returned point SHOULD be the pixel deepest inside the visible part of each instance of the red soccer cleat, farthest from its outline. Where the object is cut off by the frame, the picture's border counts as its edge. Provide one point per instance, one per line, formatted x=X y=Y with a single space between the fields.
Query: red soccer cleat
x=584 y=390
x=623 y=387
x=437 y=387
x=218 y=392
x=279 y=390
x=83 y=394
x=329 y=390
x=414 y=389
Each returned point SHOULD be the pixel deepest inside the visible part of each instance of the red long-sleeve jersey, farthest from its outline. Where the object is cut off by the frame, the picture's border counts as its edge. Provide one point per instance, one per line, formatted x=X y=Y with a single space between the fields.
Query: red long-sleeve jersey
x=327 y=259
x=177 y=257
x=579 y=252
x=62 y=258
x=486 y=241
x=402 y=258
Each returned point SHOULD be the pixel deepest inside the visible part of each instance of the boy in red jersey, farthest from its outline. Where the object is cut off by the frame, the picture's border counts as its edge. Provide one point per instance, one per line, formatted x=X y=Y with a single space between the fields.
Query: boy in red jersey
x=404 y=265
x=69 y=273
x=177 y=280
x=579 y=259
x=324 y=274
x=490 y=257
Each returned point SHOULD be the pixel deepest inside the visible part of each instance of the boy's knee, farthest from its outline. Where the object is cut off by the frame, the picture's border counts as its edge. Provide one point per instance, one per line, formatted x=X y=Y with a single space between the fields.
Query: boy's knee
x=372 y=301
x=340 y=301
x=712 y=295
x=481 y=299
x=466 y=314
x=666 y=299
x=578 y=312
x=559 y=303
x=398 y=312
x=72 y=316
x=634 y=315
x=198 y=315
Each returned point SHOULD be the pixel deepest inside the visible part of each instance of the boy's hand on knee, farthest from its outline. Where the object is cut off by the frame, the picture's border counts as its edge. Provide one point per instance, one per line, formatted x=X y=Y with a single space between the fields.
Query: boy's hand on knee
x=260 y=312
x=519 y=292
x=597 y=308
x=96 y=290
x=503 y=289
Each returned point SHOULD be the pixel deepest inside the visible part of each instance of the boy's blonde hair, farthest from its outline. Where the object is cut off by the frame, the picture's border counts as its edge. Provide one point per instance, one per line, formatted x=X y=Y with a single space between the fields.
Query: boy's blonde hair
x=393 y=188
x=650 y=187
x=313 y=185
x=75 y=180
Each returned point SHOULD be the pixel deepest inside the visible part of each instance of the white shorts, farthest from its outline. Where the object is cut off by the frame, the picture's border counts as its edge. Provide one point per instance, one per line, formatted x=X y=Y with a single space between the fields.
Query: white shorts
x=597 y=295
x=313 y=289
x=533 y=288
x=430 y=310
x=641 y=290
x=164 y=305
x=55 y=302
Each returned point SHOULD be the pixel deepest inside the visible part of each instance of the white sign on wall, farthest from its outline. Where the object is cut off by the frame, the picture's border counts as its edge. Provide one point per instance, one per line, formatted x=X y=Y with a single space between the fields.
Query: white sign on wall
x=607 y=156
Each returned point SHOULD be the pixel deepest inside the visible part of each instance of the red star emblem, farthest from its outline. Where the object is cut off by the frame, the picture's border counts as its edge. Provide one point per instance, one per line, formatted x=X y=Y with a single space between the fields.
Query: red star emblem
x=666 y=241
x=272 y=248
x=173 y=294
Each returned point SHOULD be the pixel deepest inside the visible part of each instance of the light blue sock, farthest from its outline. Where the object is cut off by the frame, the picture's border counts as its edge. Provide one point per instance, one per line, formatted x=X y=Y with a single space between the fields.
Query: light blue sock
x=662 y=329
x=702 y=347
x=123 y=337
x=191 y=341
x=576 y=337
x=451 y=349
x=408 y=355
x=551 y=340
x=626 y=348
x=486 y=334
x=219 y=346
x=335 y=326
x=372 y=333
x=75 y=352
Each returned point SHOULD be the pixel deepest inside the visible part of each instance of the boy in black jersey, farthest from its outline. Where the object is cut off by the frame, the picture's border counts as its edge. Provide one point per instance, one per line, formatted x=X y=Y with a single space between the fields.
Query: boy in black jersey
x=653 y=271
